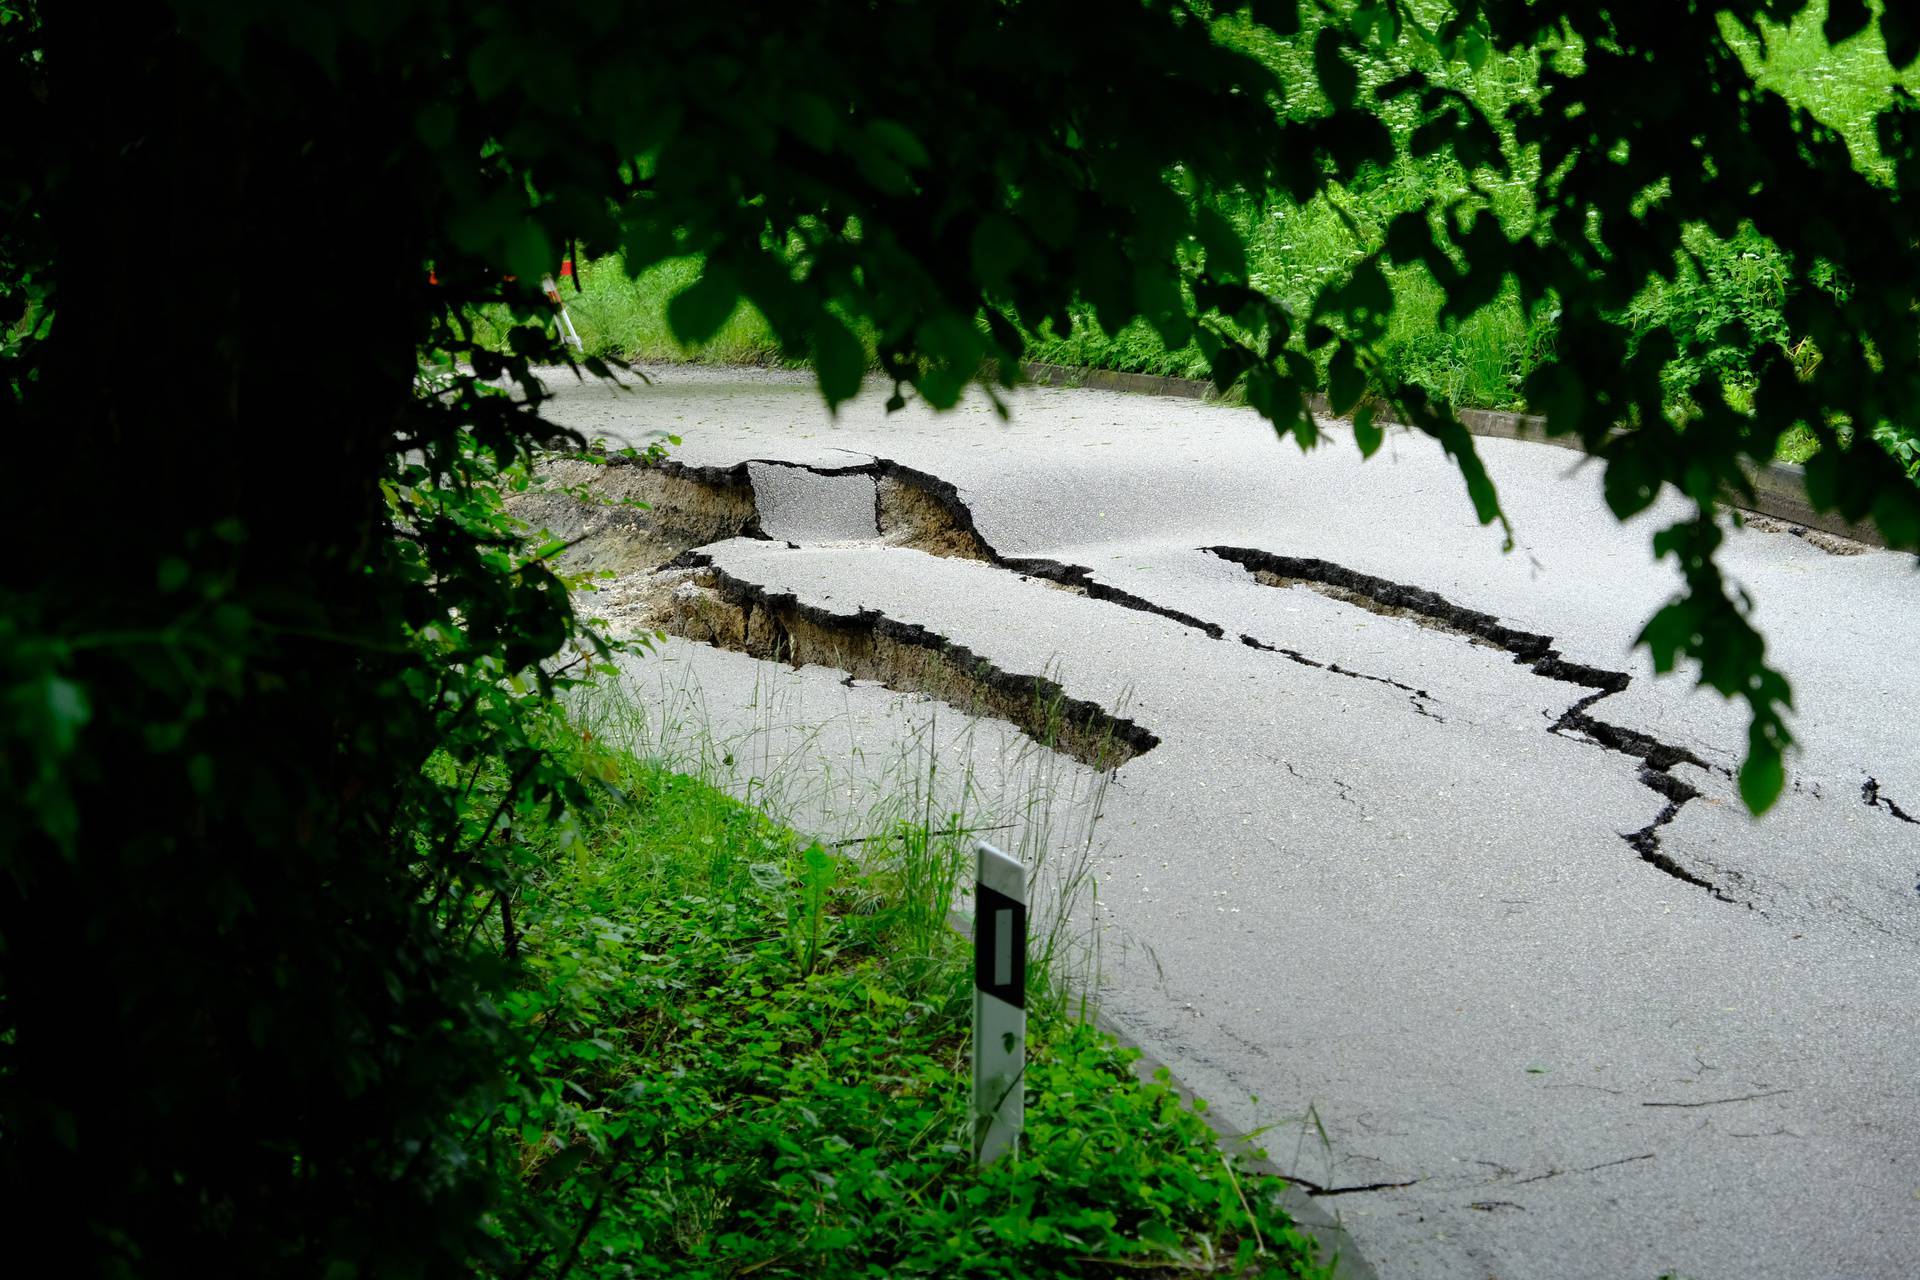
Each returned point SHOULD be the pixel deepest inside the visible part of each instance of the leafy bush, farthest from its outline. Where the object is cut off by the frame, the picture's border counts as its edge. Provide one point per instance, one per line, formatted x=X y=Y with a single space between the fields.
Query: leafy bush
x=1904 y=444
x=1724 y=310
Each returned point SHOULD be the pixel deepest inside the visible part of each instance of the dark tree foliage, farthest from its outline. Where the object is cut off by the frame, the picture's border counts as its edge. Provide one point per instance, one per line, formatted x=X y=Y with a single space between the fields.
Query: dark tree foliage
x=259 y=584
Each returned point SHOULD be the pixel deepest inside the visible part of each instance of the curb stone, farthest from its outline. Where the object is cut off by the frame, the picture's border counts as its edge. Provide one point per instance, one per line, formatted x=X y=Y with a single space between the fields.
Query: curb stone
x=1779 y=489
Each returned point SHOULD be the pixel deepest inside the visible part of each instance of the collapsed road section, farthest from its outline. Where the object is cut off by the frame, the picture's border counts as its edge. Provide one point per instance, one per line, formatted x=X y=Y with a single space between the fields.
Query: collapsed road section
x=628 y=514
x=621 y=517
x=641 y=522
x=659 y=509
x=639 y=517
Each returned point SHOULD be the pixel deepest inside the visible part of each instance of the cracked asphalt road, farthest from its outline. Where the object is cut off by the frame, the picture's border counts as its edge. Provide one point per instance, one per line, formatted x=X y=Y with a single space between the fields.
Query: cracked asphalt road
x=1500 y=921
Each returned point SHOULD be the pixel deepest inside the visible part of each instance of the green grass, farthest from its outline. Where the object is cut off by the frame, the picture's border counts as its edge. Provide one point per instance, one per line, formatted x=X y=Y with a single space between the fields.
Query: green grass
x=748 y=1056
x=625 y=318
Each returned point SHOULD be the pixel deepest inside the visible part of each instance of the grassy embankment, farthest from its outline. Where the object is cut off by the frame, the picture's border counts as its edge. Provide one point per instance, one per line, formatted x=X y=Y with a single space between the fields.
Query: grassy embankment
x=748 y=1056
x=1480 y=362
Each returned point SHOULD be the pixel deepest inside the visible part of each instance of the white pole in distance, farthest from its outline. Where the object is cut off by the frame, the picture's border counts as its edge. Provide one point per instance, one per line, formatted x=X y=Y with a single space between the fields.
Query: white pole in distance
x=999 y=1004
x=565 y=321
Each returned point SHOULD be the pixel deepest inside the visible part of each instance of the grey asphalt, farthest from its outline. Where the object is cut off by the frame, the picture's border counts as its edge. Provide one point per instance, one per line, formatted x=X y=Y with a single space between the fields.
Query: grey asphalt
x=1412 y=915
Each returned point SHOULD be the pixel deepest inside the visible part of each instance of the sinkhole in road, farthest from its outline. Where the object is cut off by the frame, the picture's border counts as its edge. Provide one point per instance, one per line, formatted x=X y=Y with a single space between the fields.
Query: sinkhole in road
x=642 y=521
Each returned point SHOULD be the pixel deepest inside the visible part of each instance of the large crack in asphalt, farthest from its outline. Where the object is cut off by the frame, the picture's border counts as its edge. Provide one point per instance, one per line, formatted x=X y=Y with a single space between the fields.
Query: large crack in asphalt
x=915 y=508
x=1870 y=792
x=1530 y=649
x=642 y=520
x=695 y=505
x=714 y=607
x=912 y=508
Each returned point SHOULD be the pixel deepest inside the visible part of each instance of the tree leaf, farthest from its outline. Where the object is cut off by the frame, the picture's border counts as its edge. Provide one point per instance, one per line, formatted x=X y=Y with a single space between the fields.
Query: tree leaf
x=1473 y=48
x=1338 y=78
x=1226 y=256
x=492 y=66
x=1845 y=18
x=1763 y=775
x=529 y=251
x=52 y=710
x=838 y=358
x=1900 y=29
x=1345 y=383
x=1367 y=433
x=812 y=120
x=998 y=247
x=698 y=311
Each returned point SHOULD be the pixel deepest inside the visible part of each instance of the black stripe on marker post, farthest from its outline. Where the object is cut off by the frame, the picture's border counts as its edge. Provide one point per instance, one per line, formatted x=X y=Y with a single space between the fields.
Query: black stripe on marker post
x=1000 y=946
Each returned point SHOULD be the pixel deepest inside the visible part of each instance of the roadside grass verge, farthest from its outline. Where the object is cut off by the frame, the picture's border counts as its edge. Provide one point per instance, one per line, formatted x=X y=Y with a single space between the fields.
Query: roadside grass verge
x=747 y=1055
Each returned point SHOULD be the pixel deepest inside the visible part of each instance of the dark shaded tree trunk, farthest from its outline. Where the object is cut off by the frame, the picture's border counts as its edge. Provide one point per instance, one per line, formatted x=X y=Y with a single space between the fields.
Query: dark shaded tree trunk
x=204 y=1045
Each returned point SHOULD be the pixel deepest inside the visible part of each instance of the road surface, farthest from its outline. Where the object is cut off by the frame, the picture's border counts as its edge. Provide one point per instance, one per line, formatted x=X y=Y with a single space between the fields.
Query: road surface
x=1408 y=843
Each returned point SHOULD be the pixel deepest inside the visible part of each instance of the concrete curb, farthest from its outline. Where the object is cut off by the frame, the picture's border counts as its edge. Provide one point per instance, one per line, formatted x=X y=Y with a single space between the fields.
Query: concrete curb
x=1779 y=488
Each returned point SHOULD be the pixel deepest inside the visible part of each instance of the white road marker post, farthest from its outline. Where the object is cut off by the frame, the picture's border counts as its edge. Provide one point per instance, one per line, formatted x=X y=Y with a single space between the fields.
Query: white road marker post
x=999 y=1004
x=565 y=321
